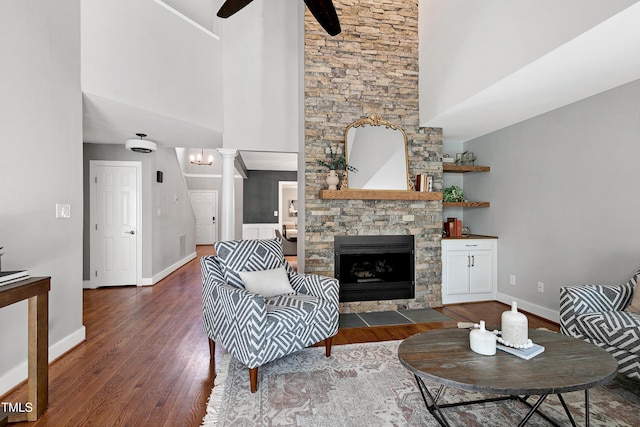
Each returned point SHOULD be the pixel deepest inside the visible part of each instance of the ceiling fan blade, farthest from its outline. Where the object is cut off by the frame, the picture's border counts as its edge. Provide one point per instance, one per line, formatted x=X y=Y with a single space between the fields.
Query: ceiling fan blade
x=232 y=6
x=325 y=14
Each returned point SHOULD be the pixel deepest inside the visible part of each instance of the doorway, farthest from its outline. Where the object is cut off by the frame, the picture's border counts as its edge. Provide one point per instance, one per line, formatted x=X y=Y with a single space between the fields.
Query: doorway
x=205 y=208
x=115 y=223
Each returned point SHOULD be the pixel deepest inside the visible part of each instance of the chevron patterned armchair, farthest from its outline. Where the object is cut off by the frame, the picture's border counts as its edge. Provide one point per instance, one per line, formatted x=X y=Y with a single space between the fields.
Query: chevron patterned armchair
x=259 y=309
x=602 y=316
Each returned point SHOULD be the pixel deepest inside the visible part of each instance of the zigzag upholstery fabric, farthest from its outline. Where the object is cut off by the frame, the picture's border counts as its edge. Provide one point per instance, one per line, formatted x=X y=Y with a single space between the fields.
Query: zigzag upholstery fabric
x=595 y=313
x=254 y=329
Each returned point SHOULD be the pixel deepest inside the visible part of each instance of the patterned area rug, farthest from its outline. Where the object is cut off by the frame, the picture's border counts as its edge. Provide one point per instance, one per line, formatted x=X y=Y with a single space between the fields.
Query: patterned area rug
x=365 y=385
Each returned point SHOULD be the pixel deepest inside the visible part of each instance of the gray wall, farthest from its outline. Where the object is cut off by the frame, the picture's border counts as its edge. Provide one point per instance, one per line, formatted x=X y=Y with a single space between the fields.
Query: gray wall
x=160 y=233
x=261 y=195
x=40 y=165
x=564 y=198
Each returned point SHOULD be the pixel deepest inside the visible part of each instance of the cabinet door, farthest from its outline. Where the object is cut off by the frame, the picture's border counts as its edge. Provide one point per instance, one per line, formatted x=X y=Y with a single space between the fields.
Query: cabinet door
x=481 y=271
x=457 y=272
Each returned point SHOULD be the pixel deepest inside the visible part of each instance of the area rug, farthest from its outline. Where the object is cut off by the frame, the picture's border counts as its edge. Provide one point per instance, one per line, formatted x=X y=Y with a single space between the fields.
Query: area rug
x=365 y=385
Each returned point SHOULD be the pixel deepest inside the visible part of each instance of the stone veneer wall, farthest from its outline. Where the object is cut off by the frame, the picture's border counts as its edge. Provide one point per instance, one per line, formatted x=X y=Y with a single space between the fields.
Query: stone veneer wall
x=371 y=67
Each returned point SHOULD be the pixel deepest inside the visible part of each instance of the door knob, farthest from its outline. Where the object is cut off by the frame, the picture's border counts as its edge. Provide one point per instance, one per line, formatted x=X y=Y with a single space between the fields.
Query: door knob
x=130 y=232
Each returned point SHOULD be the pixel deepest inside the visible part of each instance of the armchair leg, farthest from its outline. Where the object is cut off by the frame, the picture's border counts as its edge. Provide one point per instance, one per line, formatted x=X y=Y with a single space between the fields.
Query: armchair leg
x=212 y=352
x=327 y=346
x=253 y=379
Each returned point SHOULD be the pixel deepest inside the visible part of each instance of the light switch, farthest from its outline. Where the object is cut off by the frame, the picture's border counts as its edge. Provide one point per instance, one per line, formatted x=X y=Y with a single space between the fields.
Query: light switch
x=275 y=213
x=63 y=210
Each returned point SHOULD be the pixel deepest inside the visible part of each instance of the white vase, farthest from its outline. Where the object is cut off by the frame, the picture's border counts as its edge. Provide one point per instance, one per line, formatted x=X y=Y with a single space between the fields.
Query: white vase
x=333 y=180
x=515 y=327
x=482 y=341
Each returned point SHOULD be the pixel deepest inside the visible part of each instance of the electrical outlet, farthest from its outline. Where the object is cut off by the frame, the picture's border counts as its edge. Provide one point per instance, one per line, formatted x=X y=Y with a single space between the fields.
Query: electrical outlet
x=275 y=213
x=512 y=279
x=540 y=287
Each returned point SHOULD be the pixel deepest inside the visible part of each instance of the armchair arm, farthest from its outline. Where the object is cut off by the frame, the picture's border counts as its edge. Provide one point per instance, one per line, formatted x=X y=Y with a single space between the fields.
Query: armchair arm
x=323 y=287
x=577 y=300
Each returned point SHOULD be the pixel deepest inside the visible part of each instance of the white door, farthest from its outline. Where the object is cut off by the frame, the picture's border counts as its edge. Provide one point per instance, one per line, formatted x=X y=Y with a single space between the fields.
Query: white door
x=116 y=225
x=205 y=208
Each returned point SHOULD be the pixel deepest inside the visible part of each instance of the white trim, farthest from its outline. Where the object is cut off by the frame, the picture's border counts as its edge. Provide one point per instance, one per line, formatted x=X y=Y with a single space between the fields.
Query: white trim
x=150 y=281
x=93 y=165
x=543 y=312
x=20 y=373
x=209 y=175
x=188 y=20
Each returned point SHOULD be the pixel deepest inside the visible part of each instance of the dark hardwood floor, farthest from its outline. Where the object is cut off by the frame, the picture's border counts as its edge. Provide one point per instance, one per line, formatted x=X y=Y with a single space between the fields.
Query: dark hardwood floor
x=145 y=361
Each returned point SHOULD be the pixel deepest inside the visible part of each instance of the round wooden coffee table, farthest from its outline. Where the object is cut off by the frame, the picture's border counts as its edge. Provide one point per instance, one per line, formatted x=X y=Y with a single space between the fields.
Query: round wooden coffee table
x=566 y=365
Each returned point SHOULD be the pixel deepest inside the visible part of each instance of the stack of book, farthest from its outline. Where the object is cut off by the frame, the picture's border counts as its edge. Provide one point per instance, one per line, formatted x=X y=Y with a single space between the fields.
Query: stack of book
x=424 y=183
x=7 y=277
x=453 y=227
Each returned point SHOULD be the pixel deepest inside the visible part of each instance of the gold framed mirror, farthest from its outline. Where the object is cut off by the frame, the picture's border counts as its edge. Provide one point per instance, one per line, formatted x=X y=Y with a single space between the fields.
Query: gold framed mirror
x=378 y=150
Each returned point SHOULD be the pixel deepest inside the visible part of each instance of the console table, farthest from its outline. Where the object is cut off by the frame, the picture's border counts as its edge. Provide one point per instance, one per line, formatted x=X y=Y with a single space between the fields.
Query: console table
x=36 y=291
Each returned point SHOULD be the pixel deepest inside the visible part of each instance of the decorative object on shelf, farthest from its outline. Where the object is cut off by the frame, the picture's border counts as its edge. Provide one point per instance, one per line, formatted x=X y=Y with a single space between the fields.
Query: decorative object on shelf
x=335 y=162
x=199 y=159
x=140 y=145
x=466 y=231
x=447 y=159
x=482 y=341
x=453 y=194
x=465 y=159
x=515 y=327
x=332 y=180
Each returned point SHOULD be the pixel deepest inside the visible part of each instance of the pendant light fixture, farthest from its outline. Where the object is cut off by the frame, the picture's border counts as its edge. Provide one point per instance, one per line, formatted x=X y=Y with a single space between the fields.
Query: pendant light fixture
x=140 y=145
x=199 y=159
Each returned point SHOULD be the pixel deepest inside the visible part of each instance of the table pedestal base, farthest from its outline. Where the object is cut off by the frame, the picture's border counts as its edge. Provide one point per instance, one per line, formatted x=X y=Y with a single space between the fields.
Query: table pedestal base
x=436 y=409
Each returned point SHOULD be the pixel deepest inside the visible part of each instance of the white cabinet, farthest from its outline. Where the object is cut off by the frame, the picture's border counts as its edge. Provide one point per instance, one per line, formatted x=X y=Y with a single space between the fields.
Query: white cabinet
x=469 y=268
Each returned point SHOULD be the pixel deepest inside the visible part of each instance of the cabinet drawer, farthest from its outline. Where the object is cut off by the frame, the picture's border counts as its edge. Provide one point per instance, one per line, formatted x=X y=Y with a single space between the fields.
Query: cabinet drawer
x=468 y=245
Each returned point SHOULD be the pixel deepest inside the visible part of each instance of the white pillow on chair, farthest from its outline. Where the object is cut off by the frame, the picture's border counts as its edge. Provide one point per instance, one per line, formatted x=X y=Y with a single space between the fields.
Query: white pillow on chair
x=268 y=283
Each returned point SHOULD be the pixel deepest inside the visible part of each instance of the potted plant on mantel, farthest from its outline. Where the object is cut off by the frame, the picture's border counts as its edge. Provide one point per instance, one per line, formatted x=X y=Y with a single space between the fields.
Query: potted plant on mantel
x=335 y=162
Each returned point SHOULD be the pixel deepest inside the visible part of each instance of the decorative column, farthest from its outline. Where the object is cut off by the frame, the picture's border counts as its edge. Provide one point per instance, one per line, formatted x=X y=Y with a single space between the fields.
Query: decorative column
x=227 y=199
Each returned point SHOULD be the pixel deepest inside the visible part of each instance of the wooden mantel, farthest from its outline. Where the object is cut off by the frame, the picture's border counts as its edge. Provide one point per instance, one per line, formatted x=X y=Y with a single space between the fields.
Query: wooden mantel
x=379 y=195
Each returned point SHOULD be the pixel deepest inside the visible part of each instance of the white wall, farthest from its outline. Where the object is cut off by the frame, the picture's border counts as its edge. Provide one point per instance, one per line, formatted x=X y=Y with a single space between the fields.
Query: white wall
x=137 y=53
x=564 y=198
x=466 y=47
x=40 y=165
x=261 y=79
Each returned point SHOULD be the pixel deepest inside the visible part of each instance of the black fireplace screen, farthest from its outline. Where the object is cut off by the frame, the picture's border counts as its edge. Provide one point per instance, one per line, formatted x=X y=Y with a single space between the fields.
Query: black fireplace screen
x=372 y=268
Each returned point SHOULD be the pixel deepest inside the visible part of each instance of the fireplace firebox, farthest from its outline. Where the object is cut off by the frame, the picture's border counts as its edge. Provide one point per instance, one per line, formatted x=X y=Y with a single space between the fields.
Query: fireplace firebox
x=373 y=268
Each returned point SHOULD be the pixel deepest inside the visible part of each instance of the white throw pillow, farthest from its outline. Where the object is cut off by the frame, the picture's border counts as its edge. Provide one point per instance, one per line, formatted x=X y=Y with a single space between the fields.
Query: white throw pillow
x=268 y=283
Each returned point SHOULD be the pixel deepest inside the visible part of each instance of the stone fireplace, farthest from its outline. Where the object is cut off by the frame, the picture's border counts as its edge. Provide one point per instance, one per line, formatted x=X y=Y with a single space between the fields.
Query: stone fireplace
x=371 y=67
x=372 y=268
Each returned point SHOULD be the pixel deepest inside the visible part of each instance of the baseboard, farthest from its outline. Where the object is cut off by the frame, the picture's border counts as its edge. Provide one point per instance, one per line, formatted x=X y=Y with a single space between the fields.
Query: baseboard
x=88 y=284
x=149 y=281
x=543 y=312
x=19 y=374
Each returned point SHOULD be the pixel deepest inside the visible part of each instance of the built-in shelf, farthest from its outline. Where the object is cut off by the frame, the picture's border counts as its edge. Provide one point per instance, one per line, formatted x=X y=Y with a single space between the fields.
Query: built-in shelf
x=379 y=195
x=466 y=204
x=452 y=167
